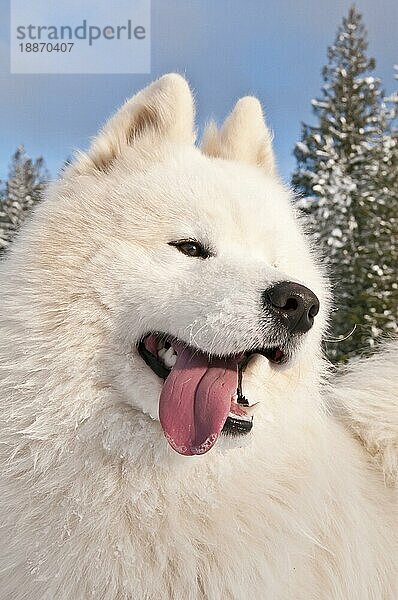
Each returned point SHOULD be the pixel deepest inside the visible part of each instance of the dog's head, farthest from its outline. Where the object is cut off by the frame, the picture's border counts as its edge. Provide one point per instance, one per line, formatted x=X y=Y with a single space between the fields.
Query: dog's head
x=197 y=257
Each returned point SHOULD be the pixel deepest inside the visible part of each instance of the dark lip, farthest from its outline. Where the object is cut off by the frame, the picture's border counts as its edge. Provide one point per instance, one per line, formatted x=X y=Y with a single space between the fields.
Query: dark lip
x=150 y=359
x=273 y=353
x=237 y=426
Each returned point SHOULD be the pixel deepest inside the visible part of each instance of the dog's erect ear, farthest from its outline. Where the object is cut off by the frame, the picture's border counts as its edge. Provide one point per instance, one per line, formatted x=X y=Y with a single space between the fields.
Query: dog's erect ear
x=163 y=110
x=244 y=137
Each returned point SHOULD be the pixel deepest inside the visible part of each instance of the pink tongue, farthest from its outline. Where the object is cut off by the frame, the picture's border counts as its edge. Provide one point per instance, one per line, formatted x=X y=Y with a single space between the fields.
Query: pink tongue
x=196 y=399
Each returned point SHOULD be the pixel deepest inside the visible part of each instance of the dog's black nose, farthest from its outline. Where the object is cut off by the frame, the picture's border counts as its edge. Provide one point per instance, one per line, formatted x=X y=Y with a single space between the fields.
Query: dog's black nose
x=295 y=304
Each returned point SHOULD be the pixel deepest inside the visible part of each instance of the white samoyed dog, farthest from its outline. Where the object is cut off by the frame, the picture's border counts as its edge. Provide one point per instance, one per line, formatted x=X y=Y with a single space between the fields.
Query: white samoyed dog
x=169 y=429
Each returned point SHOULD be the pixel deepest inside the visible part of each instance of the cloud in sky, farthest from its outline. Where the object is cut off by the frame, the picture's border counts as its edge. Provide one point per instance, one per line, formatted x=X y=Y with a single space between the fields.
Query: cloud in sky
x=226 y=48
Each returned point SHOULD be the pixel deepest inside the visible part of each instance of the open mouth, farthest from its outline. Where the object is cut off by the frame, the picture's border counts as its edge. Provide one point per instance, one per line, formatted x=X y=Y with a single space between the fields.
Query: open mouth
x=202 y=394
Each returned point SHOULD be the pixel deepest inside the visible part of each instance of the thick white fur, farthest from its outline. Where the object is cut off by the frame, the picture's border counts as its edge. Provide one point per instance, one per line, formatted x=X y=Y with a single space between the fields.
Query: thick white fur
x=371 y=411
x=93 y=502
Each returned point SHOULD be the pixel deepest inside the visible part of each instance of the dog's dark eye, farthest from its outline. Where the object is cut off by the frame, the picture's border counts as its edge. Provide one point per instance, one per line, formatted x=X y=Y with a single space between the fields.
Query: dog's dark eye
x=191 y=248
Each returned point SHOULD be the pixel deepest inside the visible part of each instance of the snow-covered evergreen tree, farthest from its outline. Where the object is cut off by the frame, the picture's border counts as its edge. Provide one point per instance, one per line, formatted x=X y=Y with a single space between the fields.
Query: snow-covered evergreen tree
x=345 y=173
x=382 y=192
x=24 y=188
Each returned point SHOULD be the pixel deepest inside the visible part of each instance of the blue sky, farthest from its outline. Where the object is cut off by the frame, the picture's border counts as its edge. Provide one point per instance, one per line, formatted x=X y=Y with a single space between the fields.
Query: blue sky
x=226 y=48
